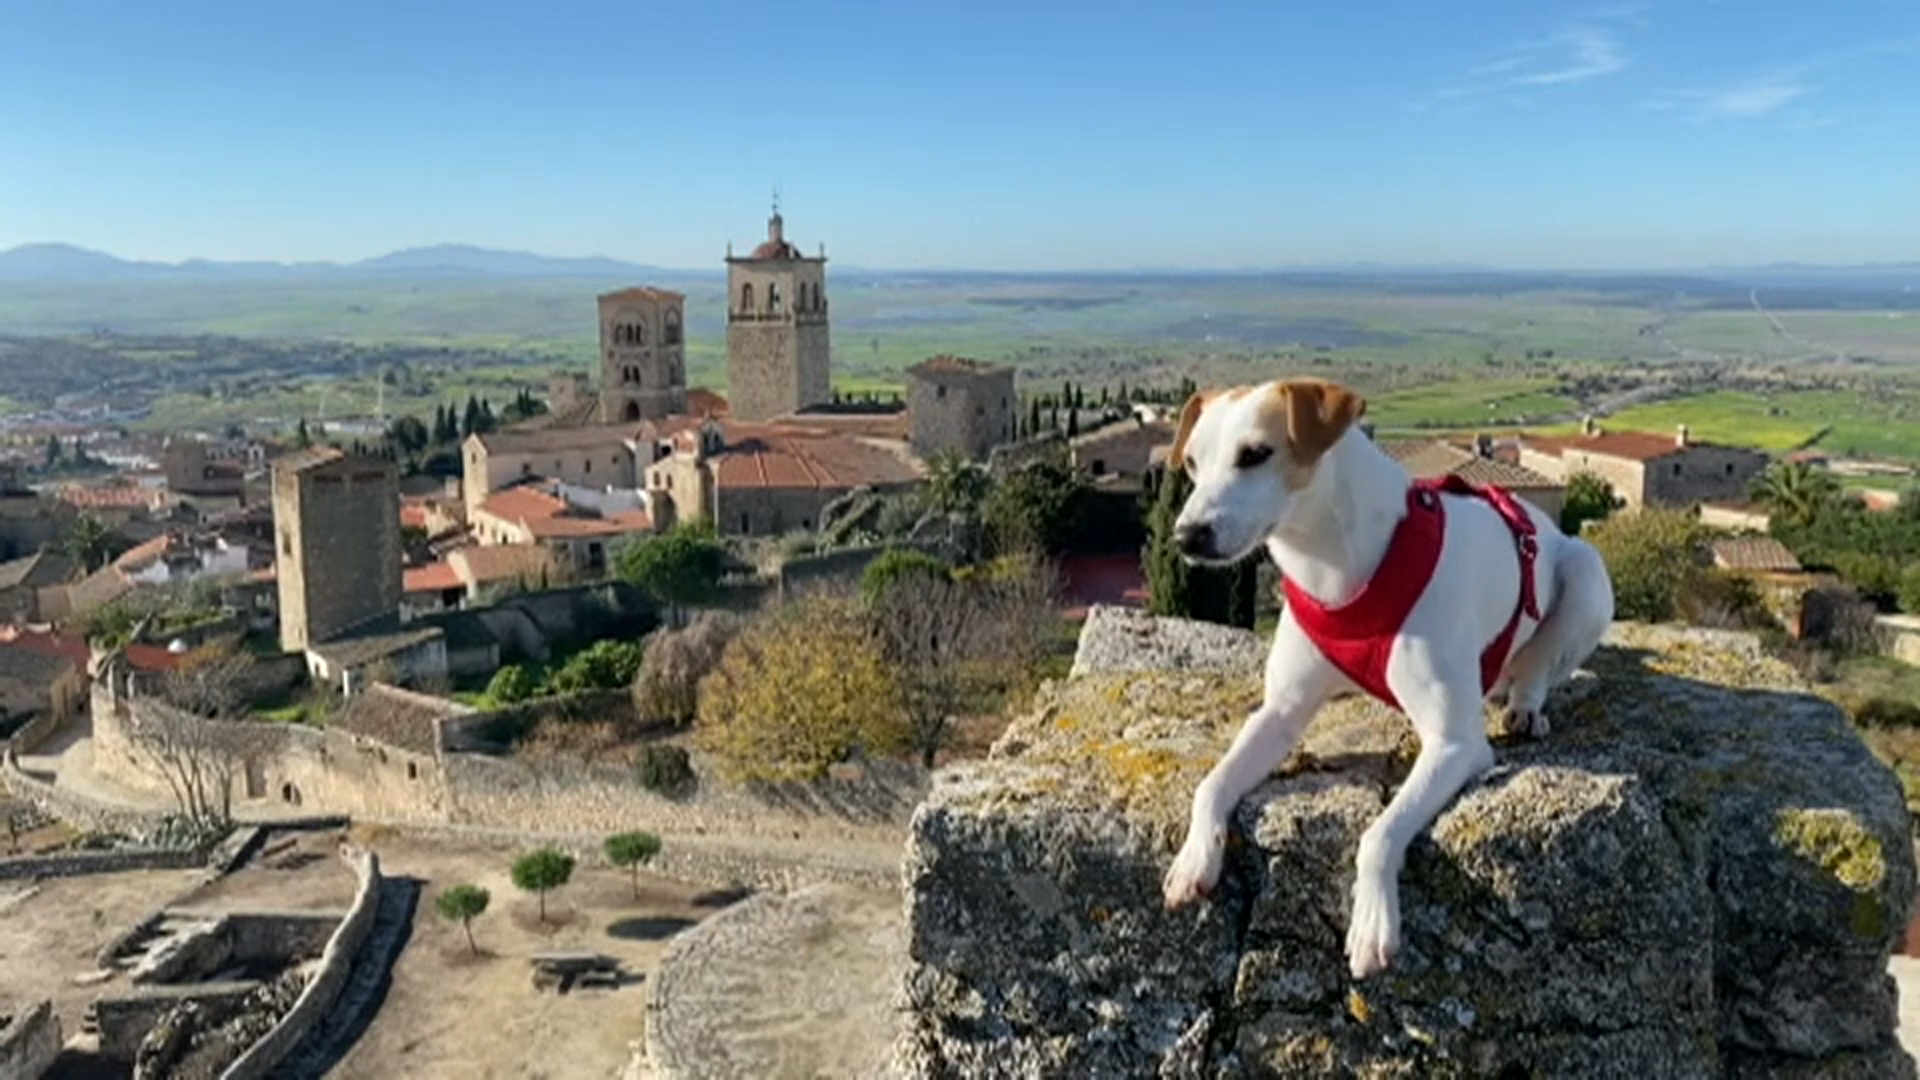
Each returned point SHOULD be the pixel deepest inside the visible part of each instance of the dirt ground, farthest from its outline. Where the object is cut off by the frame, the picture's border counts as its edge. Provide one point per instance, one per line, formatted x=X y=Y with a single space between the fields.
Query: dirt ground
x=51 y=931
x=451 y=1014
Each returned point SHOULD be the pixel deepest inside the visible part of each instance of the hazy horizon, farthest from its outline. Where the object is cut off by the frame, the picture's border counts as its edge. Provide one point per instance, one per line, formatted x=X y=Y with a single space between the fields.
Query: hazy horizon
x=1661 y=135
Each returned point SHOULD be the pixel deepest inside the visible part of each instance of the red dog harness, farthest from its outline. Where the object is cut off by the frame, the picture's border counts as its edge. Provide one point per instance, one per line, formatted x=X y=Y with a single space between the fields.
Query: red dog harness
x=1357 y=637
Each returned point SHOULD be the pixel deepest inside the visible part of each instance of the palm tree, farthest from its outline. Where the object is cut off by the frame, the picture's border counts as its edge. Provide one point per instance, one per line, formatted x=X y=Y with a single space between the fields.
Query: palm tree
x=955 y=484
x=90 y=543
x=1795 y=490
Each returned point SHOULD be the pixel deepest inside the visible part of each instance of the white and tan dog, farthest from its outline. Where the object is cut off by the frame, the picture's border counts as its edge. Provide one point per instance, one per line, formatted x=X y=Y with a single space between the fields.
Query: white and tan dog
x=1283 y=463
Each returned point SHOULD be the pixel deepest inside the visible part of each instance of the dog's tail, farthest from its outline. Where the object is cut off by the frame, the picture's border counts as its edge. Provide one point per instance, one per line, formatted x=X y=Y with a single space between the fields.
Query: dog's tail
x=1583 y=606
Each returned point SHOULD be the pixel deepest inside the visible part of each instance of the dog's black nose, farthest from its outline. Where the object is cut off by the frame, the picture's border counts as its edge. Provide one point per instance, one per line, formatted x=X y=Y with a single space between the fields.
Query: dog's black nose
x=1195 y=539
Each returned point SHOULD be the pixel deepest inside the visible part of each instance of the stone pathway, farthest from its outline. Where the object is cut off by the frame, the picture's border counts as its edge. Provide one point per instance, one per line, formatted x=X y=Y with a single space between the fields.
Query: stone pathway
x=794 y=985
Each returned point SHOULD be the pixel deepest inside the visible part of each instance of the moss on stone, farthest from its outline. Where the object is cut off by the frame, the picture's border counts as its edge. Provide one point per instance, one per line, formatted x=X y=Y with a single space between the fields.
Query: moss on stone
x=1835 y=842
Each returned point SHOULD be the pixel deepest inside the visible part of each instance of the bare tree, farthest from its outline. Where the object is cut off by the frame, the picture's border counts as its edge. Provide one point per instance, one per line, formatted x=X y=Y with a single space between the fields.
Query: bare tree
x=186 y=733
x=666 y=689
x=956 y=642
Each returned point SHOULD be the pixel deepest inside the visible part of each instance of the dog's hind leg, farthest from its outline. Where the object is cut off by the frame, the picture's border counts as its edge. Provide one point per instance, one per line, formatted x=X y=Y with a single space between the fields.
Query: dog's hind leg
x=1582 y=611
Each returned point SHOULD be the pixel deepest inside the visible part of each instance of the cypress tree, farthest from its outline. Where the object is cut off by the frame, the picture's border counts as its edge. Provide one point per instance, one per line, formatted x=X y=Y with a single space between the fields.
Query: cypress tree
x=1169 y=577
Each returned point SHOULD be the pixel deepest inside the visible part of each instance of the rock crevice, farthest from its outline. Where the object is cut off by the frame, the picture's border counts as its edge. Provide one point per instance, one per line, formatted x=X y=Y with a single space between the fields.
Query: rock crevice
x=1700 y=873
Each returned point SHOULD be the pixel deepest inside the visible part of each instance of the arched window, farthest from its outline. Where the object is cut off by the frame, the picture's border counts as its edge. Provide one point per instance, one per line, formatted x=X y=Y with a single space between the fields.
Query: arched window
x=639 y=333
x=673 y=327
x=633 y=411
x=773 y=298
x=746 y=298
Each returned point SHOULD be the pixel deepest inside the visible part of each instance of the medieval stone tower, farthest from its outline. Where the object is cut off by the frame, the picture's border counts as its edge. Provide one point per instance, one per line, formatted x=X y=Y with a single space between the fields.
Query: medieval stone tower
x=336 y=520
x=643 y=355
x=777 y=344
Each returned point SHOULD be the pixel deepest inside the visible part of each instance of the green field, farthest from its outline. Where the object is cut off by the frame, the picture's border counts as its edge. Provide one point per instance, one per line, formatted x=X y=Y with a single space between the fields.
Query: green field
x=1845 y=423
x=1466 y=404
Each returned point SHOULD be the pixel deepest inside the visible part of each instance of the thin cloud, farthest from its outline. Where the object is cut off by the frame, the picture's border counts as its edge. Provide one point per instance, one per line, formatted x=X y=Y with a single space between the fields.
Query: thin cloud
x=1584 y=51
x=1593 y=53
x=1771 y=94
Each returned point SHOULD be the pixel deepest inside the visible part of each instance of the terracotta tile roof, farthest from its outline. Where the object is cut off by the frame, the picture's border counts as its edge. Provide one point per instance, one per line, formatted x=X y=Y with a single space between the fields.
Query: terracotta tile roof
x=548 y=516
x=112 y=496
x=1424 y=458
x=776 y=249
x=433 y=577
x=501 y=562
x=73 y=647
x=1762 y=554
x=890 y=426
x=778 y=456
x=398 y=718
x=140 y=556
x=548 y=439
x=704 y=402
x=643 y=292
x=413 y=514
x=1627 y=445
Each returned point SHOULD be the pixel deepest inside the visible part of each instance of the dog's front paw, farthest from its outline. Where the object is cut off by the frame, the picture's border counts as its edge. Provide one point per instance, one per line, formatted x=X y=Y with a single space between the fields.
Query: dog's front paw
x=1373 y=935
x=1529 y=722
x=1195 y=870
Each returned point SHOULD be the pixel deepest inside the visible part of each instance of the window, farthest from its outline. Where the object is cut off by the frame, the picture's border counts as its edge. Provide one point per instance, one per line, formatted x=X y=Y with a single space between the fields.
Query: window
x=746 y=525
x=940 y=392
x=1729 y=468
x=1099 y=467
x=286 y=542
x=413 y=771
x=773 y=298
x=1676 y=468
x=672 y=335
x=746 y=298
x=587 y=464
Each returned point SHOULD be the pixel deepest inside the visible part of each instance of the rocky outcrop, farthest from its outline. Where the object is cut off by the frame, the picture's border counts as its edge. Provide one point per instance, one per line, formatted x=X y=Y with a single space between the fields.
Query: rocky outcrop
x=1700 y=873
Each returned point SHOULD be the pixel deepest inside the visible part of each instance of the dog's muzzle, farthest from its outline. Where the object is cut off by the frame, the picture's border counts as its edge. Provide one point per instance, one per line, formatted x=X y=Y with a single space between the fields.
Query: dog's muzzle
x=1195 y=540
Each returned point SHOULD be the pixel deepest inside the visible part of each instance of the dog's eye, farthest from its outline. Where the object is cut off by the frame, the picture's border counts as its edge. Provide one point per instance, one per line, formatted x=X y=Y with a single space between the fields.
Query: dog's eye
x=1252 y=457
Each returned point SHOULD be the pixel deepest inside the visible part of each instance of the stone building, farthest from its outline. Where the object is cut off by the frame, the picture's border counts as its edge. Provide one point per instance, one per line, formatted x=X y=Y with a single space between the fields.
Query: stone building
x=1123 y=451
x=203 y=473
x=337 y=547
x=765 y=479
x=600 y=457
x=956 y=405
x=778 y=348
x=1648 y=469
x=643 y=355
x=1426 y=459
x=581 y=537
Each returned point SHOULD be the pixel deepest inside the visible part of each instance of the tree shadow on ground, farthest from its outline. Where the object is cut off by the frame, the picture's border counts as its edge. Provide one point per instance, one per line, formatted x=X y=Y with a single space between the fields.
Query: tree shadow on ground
x=649 y=928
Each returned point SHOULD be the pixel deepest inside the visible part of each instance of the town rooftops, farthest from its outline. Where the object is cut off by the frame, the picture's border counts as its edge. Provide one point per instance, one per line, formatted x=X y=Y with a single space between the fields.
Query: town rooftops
x=399 y=718
x=485 y=565
x=1640 y=446
x=112 y=496
x=793 y=456
x=1756 y=554
x=552 y=439
x=302 y=460
x=1424 y=458
x=549 y=517
x=36 y=571
x=73 y=647
x=374 y=644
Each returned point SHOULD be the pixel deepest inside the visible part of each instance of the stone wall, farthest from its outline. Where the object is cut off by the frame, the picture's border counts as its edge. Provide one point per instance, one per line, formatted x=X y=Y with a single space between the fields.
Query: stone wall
x=29 y=1042
x=125 y=1019
x=79 y=863
x=82 y=813
x=28 y=736
x=336 y=963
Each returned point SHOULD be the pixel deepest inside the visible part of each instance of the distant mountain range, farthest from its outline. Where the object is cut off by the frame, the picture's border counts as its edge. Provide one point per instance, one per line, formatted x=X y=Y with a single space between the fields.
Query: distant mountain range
x=55 y=262
x=65 y=262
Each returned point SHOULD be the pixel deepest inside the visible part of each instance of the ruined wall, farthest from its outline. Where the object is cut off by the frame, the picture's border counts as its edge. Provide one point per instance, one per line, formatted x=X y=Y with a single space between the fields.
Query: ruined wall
x=125 y=1019
x=336 y=964
x=81 y=813
x=29 y=1042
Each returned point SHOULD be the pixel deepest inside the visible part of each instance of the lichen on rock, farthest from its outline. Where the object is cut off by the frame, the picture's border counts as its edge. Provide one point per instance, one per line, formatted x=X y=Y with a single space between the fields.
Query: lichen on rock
x=1700 y=873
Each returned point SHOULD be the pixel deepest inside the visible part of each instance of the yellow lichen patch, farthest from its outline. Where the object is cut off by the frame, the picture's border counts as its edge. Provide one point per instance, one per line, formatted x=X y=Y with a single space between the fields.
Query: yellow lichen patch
x=1835 y=842
x=1357 y=1007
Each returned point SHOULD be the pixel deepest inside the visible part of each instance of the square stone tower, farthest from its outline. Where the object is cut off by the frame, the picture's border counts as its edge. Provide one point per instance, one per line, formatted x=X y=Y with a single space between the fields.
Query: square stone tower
x=959 y=405
x=643 y=355
x=337 y=552
x=778 y=352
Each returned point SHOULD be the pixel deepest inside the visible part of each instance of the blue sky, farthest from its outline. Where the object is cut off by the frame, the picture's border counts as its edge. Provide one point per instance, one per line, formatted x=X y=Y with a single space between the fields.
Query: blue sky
x=987 y=134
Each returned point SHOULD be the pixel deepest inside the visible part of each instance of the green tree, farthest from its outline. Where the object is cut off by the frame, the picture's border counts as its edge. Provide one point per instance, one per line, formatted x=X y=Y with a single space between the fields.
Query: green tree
x=1910 y=590
x=1073 y=423
x=90 y=543
x=302 y=438
x=1795 y=491
x=1035 y=507
x=541 y=871
x=1169 y=576
x=408 y=435
x=631 y=851
x=53 y=451
x=511 y=684
x=1589 y=498
x=679 y=568
x=463 y=904
x=1654 y=557
x=1033 y=416
x=603 y=665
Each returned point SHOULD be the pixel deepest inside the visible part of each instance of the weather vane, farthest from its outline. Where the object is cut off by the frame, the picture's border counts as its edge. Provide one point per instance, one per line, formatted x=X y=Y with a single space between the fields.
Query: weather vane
x=776 y=200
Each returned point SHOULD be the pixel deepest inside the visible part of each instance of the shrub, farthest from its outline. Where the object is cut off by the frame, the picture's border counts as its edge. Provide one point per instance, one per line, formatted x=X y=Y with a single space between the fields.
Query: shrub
x=463 y=904
x=666 y=769
x=1653 y=557
x=901 y=566
x=604 y=665
x=1838 y=618
x=1886 y=712
x=1877 y=576
x=632 y=850
x=541 y=871
x=666 y=690
x=1909 y=595
x=796 y=691
x=1723 y=600
x=512 y=684
x=1588 y=498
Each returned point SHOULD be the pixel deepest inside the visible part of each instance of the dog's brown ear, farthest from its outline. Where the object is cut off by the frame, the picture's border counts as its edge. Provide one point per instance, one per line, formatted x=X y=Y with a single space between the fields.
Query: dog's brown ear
x=1318 y=413
x=1189 y=416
